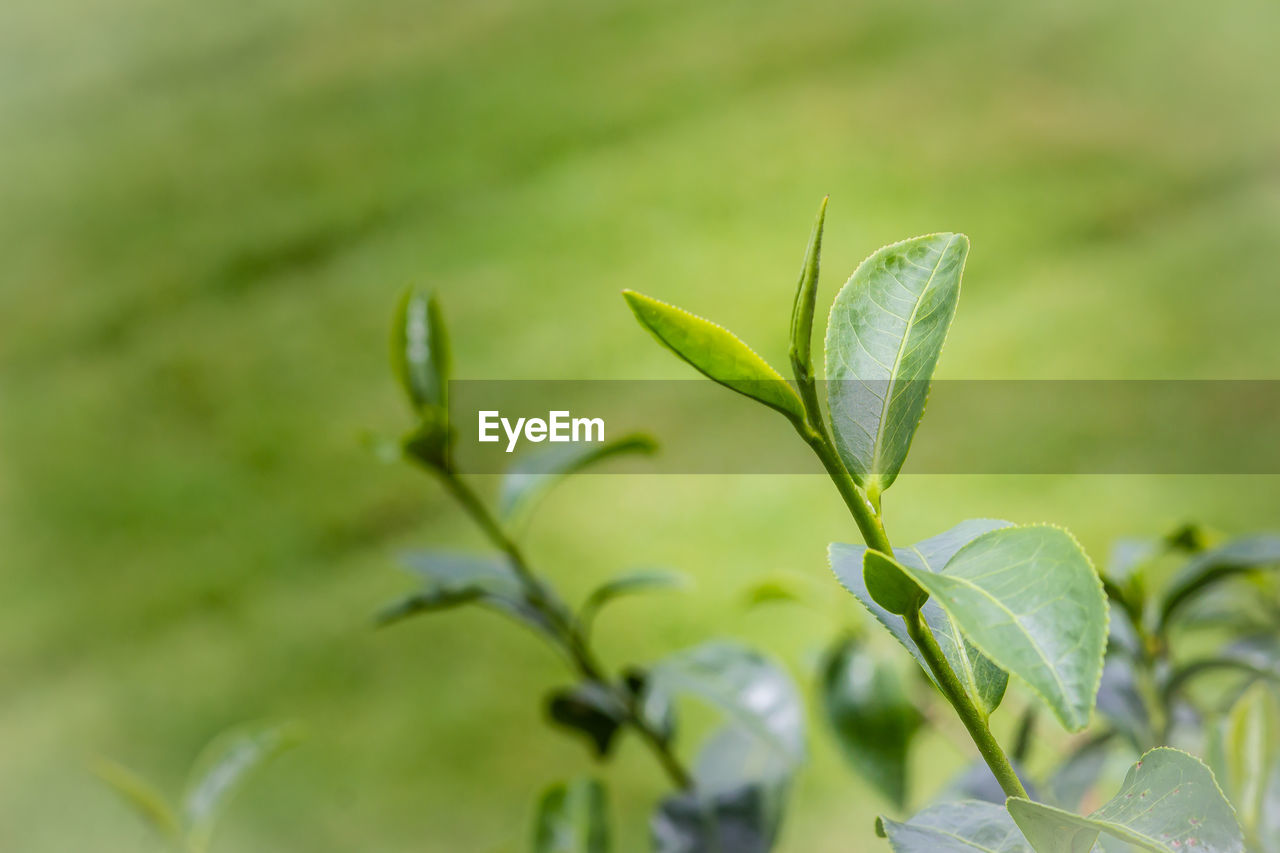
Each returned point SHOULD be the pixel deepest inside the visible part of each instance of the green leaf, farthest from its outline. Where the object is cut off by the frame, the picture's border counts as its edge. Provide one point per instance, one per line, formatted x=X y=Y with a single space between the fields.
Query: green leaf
x=806 y=297
x=891 y=587
x=750 y=689
x=533 y=474
x=223 y=768
x=642 y=580
x=1245 y=754
x=141 y=796
x=451 y=579
x=885 y=334
x=983 y=680
x=1169 y=802
x=717 y=353
x=420 y=351
x=1213 y=566
x=590 y=709
x=963 y=827
x=870 y=715
x=1029 y=598
x=572 y=818
x=654 y=705
x=1080 y=770
x=737 y=821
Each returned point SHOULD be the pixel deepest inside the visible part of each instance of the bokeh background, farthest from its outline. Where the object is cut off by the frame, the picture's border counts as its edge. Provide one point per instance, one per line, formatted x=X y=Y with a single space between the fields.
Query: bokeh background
x=208 y=210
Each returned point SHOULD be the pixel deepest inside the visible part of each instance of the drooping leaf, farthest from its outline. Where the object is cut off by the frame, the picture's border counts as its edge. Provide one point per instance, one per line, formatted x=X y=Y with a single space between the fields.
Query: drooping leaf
x=751 y=690
x=802 y=308
x=983 y=680
x=590 y=709
x=1029 y=598
x=572 y=817
x=420 y=350
x=736 y=821
x=151 y=805
x=1215 y=565
x=959 y=827
x=716 y=353
x=641 y=580
x=870 y=715
x=222 y=770
x=1169 y=803
x=884 y=337
x=534 y=473
x=451 y=579
x=1245 y=755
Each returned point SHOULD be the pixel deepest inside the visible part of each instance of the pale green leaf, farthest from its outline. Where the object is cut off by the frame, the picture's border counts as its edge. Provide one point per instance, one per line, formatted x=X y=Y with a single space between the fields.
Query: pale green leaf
x=1169 y=803
x=959 y=827
x=222 y=770
x=983 y=680
x=1029 y=598
x=717 y=353
x=420 y=350
x=534 y=473
x=1245 y=753
x=572 y=818
x=142 y=797
x=884 y=336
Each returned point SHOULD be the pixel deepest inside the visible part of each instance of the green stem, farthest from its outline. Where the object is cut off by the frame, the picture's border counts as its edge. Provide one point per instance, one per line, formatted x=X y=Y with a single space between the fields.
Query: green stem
x=869 y=523
x=974 y=720
x=569 y=631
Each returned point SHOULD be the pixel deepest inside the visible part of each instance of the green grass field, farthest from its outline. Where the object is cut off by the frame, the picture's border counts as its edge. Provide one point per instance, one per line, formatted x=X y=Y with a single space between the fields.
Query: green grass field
x=210 y=208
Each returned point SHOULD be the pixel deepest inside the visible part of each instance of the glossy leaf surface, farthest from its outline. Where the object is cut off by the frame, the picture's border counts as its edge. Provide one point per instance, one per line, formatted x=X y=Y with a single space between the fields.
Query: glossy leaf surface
x=960 y=827
x=873 y=720
x=572 y=817
x=716 y=352
x=533 y=474
x=884 y=337
x=1029 y=598
x=1169 y=802
x=983 y=680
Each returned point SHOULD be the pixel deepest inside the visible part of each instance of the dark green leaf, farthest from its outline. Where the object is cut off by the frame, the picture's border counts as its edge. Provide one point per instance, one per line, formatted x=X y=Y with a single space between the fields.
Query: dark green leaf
x=654 y=705
x=983 y=680
x=420 y=351
x=884 y=337
x=572 y=818
x=716 y=353
x=590 y=709
x=534 y=473
x=222 y=770
x=737 y=821
x=890 y=586
x=1080 y=771
x=806 y=297
x=751 y=690
x=141 y=796
x=962 y=827
x=430 y=440
x=1028 y=597
x=1169 y=802
x=873 y=720
x=1213 y=566
x=626 y=584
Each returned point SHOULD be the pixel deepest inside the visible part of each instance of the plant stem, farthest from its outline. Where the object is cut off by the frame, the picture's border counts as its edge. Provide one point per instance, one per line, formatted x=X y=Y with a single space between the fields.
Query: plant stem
x=569 y=631
x=975 y=721
x=873 y=533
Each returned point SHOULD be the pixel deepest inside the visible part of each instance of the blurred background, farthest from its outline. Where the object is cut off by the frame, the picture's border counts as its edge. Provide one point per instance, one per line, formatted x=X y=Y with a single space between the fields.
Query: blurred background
x=210 y=208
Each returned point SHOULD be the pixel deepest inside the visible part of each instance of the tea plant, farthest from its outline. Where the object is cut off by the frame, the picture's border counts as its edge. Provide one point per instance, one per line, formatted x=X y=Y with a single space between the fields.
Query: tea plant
x=731 y=799
x=221 y=770
x=974 y=604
